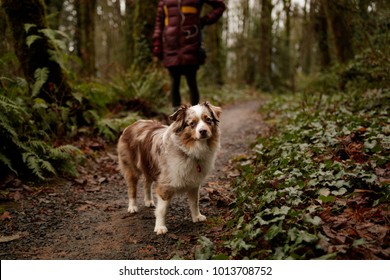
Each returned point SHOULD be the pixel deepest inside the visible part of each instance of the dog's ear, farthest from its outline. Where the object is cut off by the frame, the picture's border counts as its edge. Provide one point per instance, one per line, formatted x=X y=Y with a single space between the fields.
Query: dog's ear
x=179 y=113
x=215 y=111
x=179 y=117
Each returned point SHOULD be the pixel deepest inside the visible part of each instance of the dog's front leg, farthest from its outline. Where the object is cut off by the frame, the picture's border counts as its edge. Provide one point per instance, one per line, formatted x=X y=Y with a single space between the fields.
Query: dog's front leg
x=163 y=199
x=193 y=201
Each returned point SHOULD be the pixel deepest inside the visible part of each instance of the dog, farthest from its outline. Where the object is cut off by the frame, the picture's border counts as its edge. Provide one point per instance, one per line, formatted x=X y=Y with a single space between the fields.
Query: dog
x=176 y=157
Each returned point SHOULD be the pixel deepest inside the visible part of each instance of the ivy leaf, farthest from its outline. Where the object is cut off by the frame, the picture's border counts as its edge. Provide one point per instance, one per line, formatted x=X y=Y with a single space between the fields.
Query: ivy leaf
x=315 y=220
x=326 y=199
x=341 y=191
x=272 y=232
x=205 y=250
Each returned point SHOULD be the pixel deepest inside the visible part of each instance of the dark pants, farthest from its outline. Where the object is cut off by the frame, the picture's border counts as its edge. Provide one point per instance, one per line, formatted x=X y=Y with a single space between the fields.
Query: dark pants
x=190 y=73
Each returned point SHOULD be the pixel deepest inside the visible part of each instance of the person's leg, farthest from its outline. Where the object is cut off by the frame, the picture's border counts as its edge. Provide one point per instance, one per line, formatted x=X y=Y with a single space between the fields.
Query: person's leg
x=175 y=74
x=190 y=74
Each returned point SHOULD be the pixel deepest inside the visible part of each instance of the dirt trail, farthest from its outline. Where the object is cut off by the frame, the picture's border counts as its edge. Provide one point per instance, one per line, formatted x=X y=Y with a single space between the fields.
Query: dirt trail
x=84 y=220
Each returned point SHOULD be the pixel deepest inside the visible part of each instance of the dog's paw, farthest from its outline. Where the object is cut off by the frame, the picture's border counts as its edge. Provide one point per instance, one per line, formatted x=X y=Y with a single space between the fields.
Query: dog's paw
x=149 y=203
x=132 y=209
x=160 y=230
x=199 y=218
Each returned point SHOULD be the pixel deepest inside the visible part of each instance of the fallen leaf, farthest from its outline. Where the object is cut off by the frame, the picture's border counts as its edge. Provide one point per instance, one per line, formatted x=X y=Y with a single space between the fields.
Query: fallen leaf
x=93 y=189
x=102 y=179
x=234 y=173
x=4 y=239
x=5 y=215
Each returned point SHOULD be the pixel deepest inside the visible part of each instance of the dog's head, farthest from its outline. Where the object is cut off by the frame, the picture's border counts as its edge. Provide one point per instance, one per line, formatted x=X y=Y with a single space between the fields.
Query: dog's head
x=196 y=123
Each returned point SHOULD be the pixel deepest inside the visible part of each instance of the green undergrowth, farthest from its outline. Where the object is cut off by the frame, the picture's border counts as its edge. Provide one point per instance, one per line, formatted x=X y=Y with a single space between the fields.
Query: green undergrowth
x=325 y=163
x=41 y=140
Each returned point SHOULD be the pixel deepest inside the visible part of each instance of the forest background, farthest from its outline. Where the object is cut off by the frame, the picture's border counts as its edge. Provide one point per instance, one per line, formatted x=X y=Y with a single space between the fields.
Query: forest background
x=75 y=70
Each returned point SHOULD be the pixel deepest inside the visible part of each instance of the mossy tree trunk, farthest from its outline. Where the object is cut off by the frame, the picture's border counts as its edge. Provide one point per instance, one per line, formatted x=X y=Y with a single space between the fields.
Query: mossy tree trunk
x=322 y=34
x=215 y=50
x=143 y=18
x=54 y=8
x=85 y=35
x=265 y=45
x=129 y=32
x=39 y=58
x=336 y=12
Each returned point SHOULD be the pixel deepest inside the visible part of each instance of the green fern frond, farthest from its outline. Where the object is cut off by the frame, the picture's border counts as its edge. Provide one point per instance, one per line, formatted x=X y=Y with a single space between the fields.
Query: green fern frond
x=28 y=26
x=7 y=105
x=47 y=166
x=32 y=39
x=7 y=162
x=39 y=147
x=40 y=75
x=6 y=128
x=69 y=149
x=33 y=163
x=65 y=152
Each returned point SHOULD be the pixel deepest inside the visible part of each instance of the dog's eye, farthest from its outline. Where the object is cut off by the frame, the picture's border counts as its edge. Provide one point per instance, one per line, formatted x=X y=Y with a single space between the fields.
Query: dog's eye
x=209 y=120
x=192 y=124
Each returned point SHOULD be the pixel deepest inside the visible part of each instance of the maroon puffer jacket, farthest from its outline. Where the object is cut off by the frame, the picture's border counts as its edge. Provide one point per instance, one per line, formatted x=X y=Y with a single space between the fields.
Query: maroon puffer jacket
x=177 y=32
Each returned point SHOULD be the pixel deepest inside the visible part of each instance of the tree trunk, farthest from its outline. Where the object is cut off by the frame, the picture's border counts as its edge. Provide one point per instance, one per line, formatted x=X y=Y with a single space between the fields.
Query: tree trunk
x=54 y=8
x=321 y=31
x=144 y=19
x=265 y=45
x=129 y=32
x=85 y=35
x=335 y=14
x=214 y=67
x=287 y=72
x=27 y=18
x=3 y=33
x=307 y=38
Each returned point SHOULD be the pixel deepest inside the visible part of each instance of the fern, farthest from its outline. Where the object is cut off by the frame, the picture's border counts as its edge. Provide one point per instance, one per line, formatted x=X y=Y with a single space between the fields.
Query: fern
x=47 y=166
x=110 y=128
x=40 y=75
x=32 y=39
x=7 y=105
x=7 y=162
x=24 y=152
x=33 y=163
x=28 y=26
x=64 y=151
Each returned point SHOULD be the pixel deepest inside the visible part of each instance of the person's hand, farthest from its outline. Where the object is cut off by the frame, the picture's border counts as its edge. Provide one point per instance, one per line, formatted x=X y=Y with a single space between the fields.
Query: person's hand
x=158 y=53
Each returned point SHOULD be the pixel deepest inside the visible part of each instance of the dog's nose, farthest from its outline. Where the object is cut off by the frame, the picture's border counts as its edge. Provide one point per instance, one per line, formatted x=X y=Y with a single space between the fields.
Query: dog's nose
x=203 y=132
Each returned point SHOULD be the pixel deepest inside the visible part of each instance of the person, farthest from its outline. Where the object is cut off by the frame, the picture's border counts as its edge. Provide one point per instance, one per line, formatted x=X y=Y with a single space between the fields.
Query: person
x=177 y=41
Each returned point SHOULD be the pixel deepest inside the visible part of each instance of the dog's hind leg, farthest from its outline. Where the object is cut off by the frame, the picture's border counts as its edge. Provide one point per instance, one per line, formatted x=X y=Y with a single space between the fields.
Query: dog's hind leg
x=193 y=201
x=148 y=198
x=131 y=181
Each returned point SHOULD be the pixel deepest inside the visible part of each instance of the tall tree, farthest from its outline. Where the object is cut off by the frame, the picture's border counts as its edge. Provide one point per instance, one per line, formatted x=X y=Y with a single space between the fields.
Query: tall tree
x=321 y=32
x=288 y=71
x=129 y=26
x=3 y=32
x=85 y=35
x=214 y=67
x=336 y=12
x=37 y=54
x=54 y=8
x=265 y=45
x=144 y=18
x=307 y=35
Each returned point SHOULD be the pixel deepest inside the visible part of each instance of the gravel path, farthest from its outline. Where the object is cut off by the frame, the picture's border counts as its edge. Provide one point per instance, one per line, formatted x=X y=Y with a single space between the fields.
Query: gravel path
x=87 y=219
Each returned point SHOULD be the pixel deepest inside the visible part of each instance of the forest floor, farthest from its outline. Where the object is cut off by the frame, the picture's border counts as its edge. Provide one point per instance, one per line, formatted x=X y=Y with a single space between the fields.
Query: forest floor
x=86 y=218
